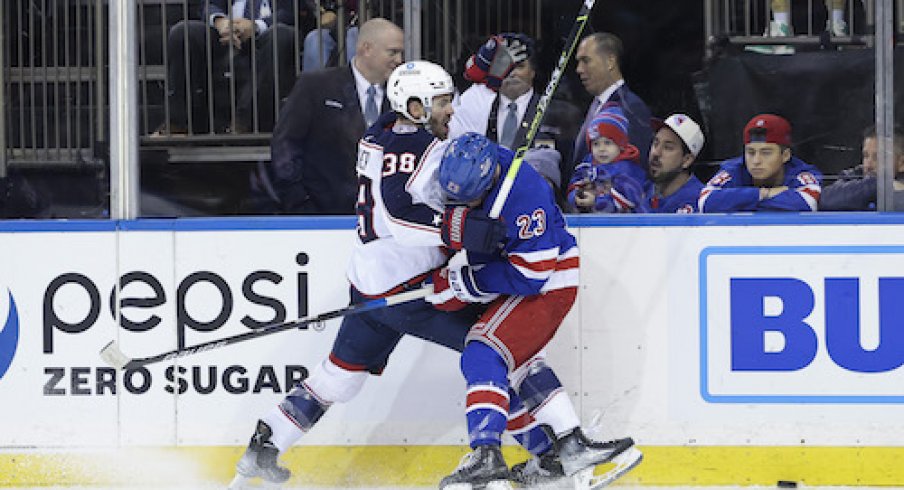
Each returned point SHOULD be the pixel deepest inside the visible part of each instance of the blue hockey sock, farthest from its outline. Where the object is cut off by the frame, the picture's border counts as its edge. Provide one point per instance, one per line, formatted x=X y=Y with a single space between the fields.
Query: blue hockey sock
x=525 y=428
x=487 y=403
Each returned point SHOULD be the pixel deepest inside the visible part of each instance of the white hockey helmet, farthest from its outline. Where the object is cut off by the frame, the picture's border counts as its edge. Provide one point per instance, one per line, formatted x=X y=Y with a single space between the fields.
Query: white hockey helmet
x=420 y=80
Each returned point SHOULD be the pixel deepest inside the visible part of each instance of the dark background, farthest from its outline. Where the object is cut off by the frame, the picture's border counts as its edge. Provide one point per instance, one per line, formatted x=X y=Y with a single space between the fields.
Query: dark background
x=827 y=92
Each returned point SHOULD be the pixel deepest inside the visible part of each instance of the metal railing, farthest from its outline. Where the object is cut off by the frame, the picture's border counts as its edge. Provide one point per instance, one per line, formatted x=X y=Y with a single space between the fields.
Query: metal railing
x=52 y=86
x=435 y=29
x=746 y=22
x=54 y=58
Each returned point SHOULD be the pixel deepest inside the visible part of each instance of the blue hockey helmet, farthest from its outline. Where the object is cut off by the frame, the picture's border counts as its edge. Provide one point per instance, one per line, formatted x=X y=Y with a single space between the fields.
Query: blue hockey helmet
x=468 y=167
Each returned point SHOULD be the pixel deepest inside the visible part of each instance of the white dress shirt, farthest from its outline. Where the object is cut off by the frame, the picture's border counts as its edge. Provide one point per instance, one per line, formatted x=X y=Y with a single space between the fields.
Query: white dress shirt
x=361 y=86
x=472 y=112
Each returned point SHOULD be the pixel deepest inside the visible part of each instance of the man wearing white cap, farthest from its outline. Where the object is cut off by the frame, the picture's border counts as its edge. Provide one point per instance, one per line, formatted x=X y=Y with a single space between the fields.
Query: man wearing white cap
x=673 y=188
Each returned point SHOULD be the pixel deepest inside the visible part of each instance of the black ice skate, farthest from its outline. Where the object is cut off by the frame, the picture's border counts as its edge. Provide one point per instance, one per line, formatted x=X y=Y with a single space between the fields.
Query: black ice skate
x=260 y=461
x=576 y=452
x=484 y=467
x=538 y=470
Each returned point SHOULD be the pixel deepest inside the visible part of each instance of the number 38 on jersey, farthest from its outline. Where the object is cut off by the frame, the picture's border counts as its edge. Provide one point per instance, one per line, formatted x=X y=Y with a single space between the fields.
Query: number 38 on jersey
x=394 y=166
x=393 y=163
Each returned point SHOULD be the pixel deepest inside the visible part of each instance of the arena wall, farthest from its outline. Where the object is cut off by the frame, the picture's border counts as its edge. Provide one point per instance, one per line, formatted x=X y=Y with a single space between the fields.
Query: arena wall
x=734 y=349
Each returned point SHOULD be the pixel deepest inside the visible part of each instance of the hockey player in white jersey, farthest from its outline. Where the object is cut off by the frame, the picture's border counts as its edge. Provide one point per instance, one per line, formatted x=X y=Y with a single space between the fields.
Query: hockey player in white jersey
x=401 y=243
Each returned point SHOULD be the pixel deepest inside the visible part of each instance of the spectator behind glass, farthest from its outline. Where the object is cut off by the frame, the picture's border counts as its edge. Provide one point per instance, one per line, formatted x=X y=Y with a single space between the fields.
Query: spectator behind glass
x=767 y=177
x=315 y=143
x=856 y=188
x=609 y=179
x=673 y=188
x=253 y=23
x=599 y=66
x=320 y=44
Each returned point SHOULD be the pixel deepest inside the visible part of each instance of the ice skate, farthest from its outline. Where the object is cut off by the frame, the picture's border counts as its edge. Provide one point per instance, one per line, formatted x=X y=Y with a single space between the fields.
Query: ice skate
x=539 y=471
x=576 y=452
x=260 y=461
x=571 y=464
x=484 y=467
x=624 y=462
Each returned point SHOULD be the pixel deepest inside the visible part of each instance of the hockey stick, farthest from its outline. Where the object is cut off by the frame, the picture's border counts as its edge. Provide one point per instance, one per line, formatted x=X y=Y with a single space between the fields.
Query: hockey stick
x=114 y=356
x=579 y=23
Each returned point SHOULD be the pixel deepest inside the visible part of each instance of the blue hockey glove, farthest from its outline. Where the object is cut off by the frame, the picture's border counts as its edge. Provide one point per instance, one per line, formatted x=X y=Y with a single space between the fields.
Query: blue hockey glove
x=470 y=229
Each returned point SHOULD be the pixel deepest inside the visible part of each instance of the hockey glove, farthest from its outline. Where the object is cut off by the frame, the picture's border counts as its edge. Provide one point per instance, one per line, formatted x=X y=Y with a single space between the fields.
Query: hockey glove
x=443 y=298
x=469 y=229
x=495 y=60
x=456 y=283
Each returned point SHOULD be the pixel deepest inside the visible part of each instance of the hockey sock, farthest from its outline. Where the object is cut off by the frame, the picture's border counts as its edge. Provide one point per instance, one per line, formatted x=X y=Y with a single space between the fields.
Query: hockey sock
x=487 y=403
x=294 y=416
x=525 y=428
x=547 y=400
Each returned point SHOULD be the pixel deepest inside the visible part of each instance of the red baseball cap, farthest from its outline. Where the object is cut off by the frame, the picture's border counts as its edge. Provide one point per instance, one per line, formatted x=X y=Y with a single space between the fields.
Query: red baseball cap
x=777 y=130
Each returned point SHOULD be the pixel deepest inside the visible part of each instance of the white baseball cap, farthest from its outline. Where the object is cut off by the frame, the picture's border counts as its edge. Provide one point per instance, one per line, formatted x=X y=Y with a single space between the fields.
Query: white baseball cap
x=686 y=129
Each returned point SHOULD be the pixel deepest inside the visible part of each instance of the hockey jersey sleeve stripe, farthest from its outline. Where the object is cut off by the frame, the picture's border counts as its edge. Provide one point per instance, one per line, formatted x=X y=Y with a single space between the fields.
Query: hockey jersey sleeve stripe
x=704 y=194
x=531 y=269
x=621 y=202
x=420 y=164
x=569 y=278
x=567 y=273
x=539 y=260
x=412 y=225
x=810 y=195
x=569 y=263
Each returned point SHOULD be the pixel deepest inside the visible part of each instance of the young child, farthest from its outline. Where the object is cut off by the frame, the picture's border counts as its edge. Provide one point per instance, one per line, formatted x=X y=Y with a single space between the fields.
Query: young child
x=609 y=180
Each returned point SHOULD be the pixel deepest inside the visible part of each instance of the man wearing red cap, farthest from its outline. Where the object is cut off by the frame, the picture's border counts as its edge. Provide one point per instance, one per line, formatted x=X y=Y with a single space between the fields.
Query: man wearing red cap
x=767 y=177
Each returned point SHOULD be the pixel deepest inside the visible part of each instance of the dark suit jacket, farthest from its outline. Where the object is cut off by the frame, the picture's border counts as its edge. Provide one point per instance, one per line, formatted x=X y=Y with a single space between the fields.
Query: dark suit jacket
x=639 y=132
x=315 y=144
x=557 y=130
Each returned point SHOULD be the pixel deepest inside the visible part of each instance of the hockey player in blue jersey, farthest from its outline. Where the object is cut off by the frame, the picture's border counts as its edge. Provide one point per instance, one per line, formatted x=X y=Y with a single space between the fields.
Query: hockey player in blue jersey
x=673 y=187
x=401 y=242
x=767 y=177
x=530 y=285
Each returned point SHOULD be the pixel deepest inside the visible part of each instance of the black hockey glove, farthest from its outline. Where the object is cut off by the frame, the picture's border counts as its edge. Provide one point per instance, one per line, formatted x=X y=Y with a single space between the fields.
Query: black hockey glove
x=473 y=230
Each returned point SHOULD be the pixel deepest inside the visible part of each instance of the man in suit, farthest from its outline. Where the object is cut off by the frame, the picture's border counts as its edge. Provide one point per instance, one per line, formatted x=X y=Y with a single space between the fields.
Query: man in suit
x=235 y=38
x=599 y=67
x=315 y=142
